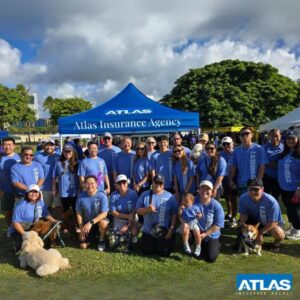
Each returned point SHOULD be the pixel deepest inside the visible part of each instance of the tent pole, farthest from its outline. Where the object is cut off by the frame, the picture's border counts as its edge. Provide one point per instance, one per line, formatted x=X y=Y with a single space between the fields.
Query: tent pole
x=60 y=142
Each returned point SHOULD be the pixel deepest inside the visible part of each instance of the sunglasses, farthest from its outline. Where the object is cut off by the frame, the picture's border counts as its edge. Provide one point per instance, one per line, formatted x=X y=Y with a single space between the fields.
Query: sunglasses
x=226 y=144
x=158 y=182
x=140 y=149
x=31 y=155
x=254 y=189
x=122 y=182
x=210 y=148
x=106 y=138
x=245 y=133
x=177 y=151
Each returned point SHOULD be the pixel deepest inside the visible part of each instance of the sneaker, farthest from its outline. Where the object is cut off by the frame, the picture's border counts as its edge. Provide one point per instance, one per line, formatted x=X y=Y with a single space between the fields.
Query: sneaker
x=187 y=249
x=233 y=223
x=288 y=231
x=294 y=235
x=134 y=240
x=101 y=246
x=275 y=248
x=197 y=251
x=227 y=217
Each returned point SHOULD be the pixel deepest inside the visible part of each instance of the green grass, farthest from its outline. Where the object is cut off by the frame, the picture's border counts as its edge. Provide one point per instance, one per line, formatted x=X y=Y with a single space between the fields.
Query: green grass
x=110 y=275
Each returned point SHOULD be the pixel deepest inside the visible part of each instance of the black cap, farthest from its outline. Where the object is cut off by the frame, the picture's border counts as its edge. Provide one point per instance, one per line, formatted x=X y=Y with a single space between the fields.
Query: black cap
x=255 y=182
x=158 y=178
x=291 y=133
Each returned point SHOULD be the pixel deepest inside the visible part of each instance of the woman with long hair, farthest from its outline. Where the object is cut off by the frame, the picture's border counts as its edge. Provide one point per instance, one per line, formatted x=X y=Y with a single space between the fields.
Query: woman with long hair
x=211 y=167
x=183 y=173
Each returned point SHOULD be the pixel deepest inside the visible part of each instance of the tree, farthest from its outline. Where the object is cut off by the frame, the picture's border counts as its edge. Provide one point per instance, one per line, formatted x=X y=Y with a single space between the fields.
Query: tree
x=14 y=105
x=234 y=92
x=65 y=107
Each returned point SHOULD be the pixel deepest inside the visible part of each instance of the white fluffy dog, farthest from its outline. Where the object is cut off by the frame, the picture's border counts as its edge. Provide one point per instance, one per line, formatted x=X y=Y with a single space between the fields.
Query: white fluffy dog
x=43 y=261
x=196 y=152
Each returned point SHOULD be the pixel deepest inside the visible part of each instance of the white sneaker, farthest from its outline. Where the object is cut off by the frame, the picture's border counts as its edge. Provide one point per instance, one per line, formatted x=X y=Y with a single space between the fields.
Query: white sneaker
x=187 y=249
x=197 y=251
x=288 y=231
x=134 y=240
x=294 y=235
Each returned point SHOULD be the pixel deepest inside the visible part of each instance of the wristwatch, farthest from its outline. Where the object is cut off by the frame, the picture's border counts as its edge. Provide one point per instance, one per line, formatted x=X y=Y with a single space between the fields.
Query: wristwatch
x=92 y=222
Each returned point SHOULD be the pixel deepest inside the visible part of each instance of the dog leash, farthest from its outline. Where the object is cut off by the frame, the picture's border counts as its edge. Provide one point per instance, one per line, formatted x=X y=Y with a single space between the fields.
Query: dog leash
x=57 y=227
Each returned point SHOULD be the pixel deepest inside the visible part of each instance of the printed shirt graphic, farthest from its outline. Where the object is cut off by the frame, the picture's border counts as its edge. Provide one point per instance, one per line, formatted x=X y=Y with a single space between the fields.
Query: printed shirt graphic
x=166 y=206
x=272 y=154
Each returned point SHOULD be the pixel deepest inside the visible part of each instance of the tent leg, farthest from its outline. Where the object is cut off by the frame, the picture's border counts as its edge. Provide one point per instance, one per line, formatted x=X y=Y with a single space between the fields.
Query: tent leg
x=60 y=143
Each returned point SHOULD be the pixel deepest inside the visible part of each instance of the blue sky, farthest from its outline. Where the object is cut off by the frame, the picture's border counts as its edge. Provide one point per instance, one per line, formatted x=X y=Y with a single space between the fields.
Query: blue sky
x=93 y=48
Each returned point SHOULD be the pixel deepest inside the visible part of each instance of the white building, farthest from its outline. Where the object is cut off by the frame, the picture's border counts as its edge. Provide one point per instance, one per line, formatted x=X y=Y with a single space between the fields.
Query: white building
x=34 y=104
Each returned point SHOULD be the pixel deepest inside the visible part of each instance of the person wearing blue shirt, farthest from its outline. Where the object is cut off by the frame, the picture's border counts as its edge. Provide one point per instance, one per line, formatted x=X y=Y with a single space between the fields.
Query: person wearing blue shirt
x=122 y=207
x=124 y=160
x=177 y=141
x=108 y=153
x=163 y=164
x=210 y=223
x=229 y=193
x=183 y=172
x=94 y=165
x=91 y=213
x=211 y=167
x=255 y=206
x=289 y=181
x=48 y=159
x=151 y=144
x=159 y=208
x=28 y=210
x=7 y=160
x=141 y=169
x=26 y=172
x=65 y=179
x=273 y=149
x=248 y=162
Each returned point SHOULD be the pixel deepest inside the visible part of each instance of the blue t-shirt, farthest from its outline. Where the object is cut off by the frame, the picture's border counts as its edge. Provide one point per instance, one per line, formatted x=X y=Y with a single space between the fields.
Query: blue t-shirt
x=124 y=163
x=288 y=170
x=68 y=182
x=113 y=147
x=151 y=154
x=93 y=166
x=91 y=206
x=109 y=156
x=228 y=156
x=203 y=166
x=247 y=161
x=26 y=174
x=48 y=163
x=166 y=207
x=141 y=168
x=123 y=204
x=190 y=213
x=163 y=165
x=6 y=162
x=212 y=214
x=29 y=212
x=183 y=179
x=272 y=154
x=264 y=211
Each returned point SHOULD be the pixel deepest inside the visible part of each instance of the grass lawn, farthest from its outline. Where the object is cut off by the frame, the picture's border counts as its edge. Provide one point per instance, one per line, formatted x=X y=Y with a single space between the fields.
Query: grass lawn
x=116 y=276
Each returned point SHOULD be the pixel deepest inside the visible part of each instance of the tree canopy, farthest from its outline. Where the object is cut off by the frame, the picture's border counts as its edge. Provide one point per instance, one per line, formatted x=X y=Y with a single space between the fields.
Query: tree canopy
x=65 y=107
x=14 y=105
x=234 y=92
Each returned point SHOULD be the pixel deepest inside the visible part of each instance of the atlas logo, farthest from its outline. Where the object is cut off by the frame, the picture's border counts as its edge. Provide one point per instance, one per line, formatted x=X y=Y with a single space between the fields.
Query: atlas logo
x=264 y=282
x=118 y=112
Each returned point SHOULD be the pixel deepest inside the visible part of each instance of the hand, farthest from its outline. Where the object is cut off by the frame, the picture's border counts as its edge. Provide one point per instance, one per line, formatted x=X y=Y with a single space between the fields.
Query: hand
x=169 y=234
x=203 y=235
x=85 y=231
x=124 y=229
x=214 y=192
x=131 y=216
x=151 y=208
x=54 y=193
x=199 y=215
x=136 y=187
x=107 y=191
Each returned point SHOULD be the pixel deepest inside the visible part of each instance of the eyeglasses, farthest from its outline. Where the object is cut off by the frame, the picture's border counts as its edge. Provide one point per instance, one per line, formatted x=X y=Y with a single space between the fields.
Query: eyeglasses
x=140 y=149
x=254 y=189
x=25 y=154
x=226 y=144
x=177 y=151
x=210 y=148
x=106 y=138
x=121 y=182
x=245 y=133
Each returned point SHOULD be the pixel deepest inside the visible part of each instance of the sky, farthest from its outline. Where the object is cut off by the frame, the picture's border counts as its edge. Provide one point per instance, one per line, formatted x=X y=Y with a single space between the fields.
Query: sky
x=94 y=48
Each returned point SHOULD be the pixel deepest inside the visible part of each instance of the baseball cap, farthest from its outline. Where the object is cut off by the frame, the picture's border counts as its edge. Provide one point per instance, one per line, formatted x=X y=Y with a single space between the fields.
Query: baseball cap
x=158 y=178
x=291 y=133
x=49 y=141
x=68 y=148
x=227 y=139
x=33 y=187
x=206 y=183
x=121 y=177
x=255 y=182
x=203 y=136
x=107 y=134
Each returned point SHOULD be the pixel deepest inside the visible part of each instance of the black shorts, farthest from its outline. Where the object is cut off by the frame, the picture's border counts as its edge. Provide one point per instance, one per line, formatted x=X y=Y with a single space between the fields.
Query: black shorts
x=92 y=235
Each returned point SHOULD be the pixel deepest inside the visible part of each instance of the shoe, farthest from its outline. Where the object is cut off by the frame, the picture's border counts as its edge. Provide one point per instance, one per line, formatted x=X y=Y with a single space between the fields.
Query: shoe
x=101 y=246
x=197 y=251
x=294 y=235
x=288 y=231
x=187 y=249
x=275 y=248
x=227 y=217
x=9 y=232
x=232 y=223
x=134 y=240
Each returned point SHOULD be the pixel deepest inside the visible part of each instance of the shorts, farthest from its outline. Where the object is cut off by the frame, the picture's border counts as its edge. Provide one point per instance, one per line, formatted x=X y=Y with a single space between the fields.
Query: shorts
x=119 y=223
x=51 y=200
x=193 y=225
x=92 y=235
x=8 y=202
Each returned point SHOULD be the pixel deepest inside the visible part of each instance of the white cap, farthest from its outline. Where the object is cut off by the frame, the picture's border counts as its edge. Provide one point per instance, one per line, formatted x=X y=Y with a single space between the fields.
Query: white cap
x=207 y=183
x=121 y=177
x=49 y=141
x=227 y=139
x=33 y=187
x=107 y=134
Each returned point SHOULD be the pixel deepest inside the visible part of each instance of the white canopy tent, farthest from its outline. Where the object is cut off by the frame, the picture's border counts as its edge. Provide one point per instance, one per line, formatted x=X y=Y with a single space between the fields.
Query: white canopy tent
x=290 y=119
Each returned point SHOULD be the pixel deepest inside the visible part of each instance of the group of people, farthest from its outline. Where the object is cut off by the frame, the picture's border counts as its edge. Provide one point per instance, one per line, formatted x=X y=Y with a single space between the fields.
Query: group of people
x=156 y=189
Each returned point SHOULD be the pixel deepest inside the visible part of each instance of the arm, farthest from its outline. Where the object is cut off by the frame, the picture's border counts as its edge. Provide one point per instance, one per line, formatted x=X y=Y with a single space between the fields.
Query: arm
x=176 y=188
x=217 y=185
x=146 y=210
x=122 y=216
x=54 y=186
x=172 y=227
x=40 y=182
x=243 y=219
x=106 y=180
x=211 y=230
x=81 y=181
x=18 y=227
x=232 y=173
x=261 y=172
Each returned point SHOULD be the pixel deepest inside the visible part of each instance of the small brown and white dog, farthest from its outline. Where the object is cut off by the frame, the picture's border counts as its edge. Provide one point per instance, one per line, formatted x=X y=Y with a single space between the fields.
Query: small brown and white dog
x=250 y=239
